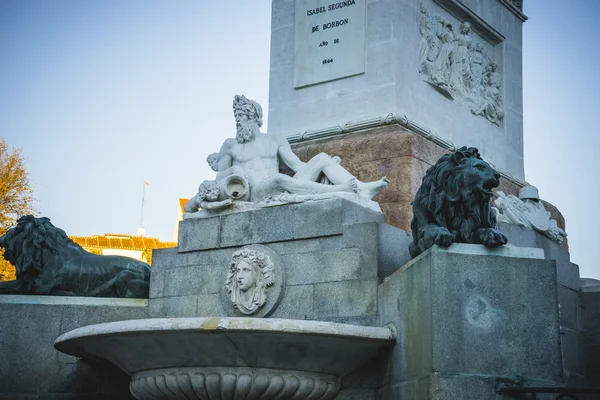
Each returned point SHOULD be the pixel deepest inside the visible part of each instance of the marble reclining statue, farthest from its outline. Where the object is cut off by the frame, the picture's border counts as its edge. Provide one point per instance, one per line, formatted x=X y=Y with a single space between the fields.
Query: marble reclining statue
x=248 y=170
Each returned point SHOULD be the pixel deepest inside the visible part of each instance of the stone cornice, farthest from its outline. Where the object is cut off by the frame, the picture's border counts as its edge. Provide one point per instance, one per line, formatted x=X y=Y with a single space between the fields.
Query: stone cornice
x=510 y=5
x=376 y=122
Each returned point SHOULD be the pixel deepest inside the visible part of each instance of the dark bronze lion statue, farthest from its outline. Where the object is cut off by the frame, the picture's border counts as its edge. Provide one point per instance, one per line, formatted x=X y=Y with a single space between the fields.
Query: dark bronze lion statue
x=453 y=203
x=49 y=263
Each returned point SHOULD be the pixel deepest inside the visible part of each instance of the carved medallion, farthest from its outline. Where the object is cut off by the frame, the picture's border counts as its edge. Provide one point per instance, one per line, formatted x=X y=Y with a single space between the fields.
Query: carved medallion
x=254 y=281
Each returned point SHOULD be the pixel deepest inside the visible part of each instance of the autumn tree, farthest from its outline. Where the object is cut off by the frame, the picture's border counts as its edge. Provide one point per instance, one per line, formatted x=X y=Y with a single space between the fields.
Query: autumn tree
x=16 y=197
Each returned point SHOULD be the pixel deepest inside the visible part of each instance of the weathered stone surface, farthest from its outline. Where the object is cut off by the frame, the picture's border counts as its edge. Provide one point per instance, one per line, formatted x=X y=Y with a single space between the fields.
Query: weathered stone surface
x=209 y=305
x=567 y=272
x=192 y=280
x=180 y=306
x=345 y=299
x=571 y=351
x=459 y=313
x=29 y=365
x=362 y=236
x=332 y=266
x=590 y=312
x=297 y=303
x=194 y=236
x=568 y=300
x=401 y=154
x=393 y=249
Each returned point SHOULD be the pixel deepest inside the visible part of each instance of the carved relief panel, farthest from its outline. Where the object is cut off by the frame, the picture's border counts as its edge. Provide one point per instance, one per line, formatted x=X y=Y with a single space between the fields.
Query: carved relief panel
x=253 y=282
x=459 y=61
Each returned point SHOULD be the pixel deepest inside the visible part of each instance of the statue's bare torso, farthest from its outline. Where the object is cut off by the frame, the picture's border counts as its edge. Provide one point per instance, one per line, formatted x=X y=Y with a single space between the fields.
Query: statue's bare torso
x=258 y=158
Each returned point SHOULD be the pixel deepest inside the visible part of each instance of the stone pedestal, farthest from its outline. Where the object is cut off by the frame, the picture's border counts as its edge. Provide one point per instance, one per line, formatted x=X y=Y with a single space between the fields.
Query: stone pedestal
x=330 y=251
x=470 y=319
x=403 y=156
x=590 y=336
x=30 y=367
x=393 y=78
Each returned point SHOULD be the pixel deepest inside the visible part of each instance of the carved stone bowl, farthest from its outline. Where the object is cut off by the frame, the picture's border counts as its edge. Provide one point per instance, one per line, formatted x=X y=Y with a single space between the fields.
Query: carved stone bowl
x=229 y=358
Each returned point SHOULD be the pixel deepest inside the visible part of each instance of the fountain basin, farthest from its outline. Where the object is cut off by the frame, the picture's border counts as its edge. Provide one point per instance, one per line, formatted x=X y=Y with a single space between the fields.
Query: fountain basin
x=247 y=358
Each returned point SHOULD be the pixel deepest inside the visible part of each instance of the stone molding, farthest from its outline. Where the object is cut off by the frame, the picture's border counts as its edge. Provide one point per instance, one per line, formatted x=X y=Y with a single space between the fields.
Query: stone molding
x=233 y=383
x=516 y=7
x=385 y=120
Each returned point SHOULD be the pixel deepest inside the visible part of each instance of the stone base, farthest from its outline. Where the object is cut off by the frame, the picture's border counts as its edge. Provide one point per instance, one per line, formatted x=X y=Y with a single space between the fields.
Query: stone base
x=590 y=337
x=31 y=367
x=334 y=253
x=469 y=318
x=401 y=155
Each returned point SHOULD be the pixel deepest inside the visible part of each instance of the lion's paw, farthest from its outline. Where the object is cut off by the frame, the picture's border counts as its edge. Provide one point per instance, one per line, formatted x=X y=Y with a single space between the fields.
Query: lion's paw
x=444 y=238
x=492 y=238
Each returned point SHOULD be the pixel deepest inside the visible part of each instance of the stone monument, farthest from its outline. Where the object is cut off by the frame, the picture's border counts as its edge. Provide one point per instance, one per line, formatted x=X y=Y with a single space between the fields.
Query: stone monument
x=391 y=86
x=296 y=284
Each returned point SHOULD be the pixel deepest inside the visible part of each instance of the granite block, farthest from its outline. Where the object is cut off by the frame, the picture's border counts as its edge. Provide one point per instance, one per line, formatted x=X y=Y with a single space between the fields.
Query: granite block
x=571 y=350
x=318 y=218
x=363 y=236
x=157 y=280
x=157 y=308
x=205 y=257
x=393 y=249
x=568 y=300
x=73 y=317
x=199 y=234
x=404 y=301
x=193 y=280
x=495 y=315
x=237 y=230
x=356 y=394
x=165 y=257
x=297 y=303
x=273 y=224
x=331 y=266
x=30 y=367
x=463 y=313
x=296 y=246
x=356 y=214
x=209 y=305
x=345 y=299
x=567 y=272
x=28 y=333
x=590 y=312
x=180 y=306
x=590 y=348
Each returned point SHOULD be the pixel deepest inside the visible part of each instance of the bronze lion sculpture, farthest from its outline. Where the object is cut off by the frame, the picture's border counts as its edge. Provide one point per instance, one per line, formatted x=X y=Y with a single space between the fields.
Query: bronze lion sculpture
x=49 y=263
x=453 y=203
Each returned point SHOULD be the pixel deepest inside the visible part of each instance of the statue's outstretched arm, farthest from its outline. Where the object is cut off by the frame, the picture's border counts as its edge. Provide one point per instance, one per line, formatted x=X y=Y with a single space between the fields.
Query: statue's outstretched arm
x=287 y=155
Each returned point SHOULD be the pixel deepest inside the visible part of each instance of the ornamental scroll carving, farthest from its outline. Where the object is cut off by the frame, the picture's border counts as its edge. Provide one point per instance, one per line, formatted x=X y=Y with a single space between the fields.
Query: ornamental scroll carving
x=528 y=211
x=457 y=66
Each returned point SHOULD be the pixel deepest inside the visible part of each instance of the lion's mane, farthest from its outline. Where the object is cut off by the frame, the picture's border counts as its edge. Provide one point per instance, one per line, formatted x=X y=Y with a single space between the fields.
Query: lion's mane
x=452 y=196
x=48 y=262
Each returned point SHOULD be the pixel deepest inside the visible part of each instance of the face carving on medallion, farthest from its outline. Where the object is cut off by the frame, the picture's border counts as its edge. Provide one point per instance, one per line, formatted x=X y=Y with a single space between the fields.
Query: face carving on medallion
x=250 y=274
x=246 y=276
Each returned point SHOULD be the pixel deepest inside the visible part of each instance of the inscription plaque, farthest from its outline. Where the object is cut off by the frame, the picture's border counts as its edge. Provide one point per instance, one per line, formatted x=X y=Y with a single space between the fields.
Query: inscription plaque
x=329 y=40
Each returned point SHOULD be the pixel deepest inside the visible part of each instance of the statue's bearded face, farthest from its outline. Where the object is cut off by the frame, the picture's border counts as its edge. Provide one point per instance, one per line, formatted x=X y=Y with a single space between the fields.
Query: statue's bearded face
x=246 y=128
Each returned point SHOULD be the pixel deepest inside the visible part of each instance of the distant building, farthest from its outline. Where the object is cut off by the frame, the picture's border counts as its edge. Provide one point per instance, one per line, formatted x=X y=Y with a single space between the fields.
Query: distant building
x=138 y=247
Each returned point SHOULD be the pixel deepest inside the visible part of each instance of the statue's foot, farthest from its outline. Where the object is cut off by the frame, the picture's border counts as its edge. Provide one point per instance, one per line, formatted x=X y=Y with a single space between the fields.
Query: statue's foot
x=370 y=189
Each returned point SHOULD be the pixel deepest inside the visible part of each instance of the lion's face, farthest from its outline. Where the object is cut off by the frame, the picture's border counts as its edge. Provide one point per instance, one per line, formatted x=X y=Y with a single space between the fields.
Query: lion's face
x=478 y=175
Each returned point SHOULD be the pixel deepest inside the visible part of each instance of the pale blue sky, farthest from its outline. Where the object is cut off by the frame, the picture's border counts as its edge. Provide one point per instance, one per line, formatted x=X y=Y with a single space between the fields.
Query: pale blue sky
x=104 y=95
